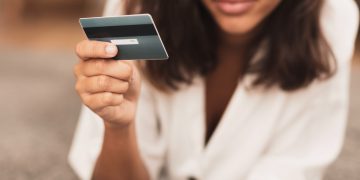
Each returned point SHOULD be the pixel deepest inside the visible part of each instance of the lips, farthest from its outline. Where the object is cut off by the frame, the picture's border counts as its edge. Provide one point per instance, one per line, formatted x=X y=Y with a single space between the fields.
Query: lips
x=234 y=7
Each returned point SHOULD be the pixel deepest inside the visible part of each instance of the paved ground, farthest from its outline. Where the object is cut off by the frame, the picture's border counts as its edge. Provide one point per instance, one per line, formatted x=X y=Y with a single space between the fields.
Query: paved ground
x=39 y=110
x=348 y=164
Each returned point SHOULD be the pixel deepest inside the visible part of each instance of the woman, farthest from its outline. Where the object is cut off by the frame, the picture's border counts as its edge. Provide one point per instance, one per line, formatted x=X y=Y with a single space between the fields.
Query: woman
x=253 y=89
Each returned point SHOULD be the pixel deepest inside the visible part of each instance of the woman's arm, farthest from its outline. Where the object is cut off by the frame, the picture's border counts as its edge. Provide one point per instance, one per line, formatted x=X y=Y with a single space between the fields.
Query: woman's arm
x=111 y=89
x=89 y=136
x=119 y=157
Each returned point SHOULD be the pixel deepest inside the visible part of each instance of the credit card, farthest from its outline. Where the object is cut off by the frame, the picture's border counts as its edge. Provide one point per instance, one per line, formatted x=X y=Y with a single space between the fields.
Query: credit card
x=135 y=36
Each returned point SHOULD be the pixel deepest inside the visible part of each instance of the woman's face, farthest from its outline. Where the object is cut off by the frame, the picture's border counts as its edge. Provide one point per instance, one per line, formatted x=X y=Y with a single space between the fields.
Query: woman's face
x=239 y=16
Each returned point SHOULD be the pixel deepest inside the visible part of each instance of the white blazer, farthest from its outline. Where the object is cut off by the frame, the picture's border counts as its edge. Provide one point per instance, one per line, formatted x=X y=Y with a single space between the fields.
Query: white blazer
x=262 y=135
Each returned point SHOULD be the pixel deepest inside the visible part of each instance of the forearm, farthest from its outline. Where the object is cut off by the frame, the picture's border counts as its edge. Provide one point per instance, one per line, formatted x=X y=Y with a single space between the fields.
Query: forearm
x=120 y=158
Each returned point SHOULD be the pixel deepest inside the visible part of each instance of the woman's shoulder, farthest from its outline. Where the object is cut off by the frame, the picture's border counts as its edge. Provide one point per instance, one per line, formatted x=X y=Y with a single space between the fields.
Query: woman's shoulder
x=340 y=21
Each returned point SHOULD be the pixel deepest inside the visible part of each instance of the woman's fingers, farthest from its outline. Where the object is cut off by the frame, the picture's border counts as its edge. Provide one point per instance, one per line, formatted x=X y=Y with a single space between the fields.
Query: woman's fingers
x=108 y=87
x=95 y=49
x=117 y=69
x=102 y=83
x=101 y=100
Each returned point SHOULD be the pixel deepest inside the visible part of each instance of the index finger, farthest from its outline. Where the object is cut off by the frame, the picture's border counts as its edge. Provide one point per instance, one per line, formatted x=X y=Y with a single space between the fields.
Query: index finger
x=87 y=49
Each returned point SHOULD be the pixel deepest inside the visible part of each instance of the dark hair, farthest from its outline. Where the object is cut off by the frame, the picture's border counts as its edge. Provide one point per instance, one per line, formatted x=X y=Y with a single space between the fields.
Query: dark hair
x=296 y=51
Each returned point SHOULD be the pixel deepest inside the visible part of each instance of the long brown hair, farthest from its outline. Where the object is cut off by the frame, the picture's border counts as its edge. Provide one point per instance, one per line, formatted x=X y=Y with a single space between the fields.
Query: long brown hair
x=296 y=51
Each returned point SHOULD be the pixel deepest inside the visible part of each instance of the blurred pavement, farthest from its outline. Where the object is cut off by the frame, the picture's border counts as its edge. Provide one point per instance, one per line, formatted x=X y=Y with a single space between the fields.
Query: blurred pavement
x=39 y=110
x=347 y=167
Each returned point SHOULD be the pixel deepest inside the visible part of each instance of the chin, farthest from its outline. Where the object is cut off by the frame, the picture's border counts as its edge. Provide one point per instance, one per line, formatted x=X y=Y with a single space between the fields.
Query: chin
x=236 y=26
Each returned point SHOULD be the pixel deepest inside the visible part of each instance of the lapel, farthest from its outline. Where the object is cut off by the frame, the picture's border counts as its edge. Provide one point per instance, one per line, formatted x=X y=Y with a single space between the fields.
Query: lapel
x=241 y=105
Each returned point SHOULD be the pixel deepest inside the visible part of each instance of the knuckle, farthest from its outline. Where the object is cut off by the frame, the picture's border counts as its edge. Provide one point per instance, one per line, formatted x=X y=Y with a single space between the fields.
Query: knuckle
x=93 y=49
x=103 y=82
x=76 y=70
x=98 y=49
x=99 y=65
x=86 y=100
x=78 y=49
x=88 y=49
x=107 y=98
x=78 y=87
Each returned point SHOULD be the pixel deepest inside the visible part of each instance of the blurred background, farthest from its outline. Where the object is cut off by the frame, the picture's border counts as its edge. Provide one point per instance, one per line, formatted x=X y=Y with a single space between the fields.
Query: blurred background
x=39 y=106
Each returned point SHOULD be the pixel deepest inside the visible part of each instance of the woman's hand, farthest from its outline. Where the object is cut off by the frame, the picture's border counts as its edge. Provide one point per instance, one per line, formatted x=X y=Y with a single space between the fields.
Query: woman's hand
x=108 y=87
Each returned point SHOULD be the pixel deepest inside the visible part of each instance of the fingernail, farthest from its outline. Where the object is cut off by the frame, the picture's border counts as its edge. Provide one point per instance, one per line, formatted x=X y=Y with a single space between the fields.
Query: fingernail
x=111 y=50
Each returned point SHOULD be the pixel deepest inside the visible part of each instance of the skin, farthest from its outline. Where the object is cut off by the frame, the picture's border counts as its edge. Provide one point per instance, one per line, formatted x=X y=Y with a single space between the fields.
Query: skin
x=242 y=24
x=111 y=88
x=236 y=32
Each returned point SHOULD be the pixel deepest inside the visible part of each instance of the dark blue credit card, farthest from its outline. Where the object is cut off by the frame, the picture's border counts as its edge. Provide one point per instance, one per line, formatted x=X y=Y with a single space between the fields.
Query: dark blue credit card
x=135 y=36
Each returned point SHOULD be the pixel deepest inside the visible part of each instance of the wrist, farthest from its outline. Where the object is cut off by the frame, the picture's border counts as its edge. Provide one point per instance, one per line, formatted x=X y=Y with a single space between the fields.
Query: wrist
x=118 y=132
x=116 y=137
x=110 y=126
